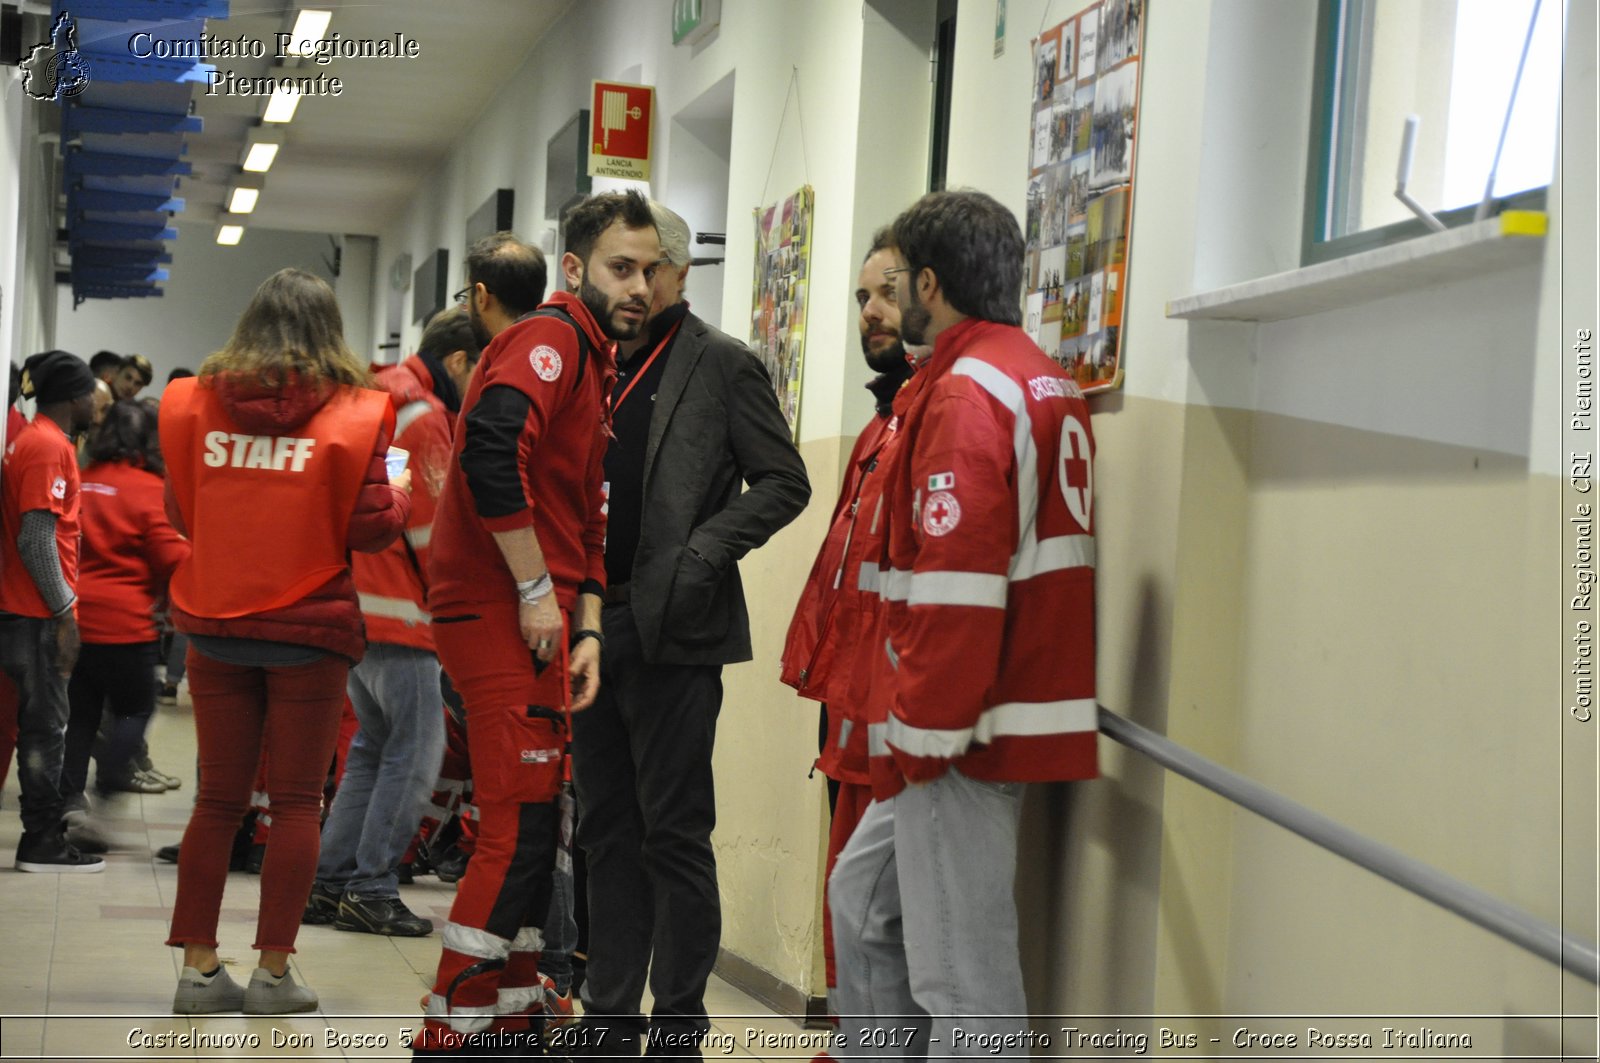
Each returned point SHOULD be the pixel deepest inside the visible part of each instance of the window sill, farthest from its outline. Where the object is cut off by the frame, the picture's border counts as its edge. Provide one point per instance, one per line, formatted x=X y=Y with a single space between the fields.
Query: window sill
x=1513 y=238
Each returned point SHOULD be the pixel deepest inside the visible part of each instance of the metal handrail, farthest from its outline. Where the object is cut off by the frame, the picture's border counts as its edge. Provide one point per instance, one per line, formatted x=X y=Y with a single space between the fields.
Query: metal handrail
x=1541 y=938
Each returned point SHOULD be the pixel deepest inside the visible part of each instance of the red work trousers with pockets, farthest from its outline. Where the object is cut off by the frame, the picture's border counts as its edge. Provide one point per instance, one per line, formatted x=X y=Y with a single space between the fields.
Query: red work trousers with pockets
x=488 y=979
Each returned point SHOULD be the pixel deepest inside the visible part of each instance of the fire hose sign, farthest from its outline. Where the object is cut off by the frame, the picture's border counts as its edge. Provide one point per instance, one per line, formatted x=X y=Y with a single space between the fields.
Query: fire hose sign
x=619 y=130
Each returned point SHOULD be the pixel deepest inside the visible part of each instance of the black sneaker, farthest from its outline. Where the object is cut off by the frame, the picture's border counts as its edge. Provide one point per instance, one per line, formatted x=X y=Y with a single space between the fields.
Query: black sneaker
x=322 y=907
x=49 y=852
x=380 y=915
x=452 y=865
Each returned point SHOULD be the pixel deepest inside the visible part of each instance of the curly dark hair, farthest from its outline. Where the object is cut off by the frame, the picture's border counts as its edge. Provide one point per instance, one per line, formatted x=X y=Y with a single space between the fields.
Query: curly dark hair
x=597 y=213
x=973 y=245
x=128 y=433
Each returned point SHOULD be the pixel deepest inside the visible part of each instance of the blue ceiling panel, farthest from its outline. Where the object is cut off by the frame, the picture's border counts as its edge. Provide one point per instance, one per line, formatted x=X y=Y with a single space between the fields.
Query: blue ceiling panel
x=94 y=199
x=124 y=137
x=84 y=119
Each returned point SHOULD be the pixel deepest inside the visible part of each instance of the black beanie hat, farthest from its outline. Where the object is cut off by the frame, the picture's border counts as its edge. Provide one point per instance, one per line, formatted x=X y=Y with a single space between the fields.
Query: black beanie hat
x=56 y=376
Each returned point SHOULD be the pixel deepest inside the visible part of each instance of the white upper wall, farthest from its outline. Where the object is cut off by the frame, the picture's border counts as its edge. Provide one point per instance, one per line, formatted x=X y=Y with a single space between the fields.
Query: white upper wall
x=763 y=44
x=1224 y=112
x=209 y=288
x=27 y=303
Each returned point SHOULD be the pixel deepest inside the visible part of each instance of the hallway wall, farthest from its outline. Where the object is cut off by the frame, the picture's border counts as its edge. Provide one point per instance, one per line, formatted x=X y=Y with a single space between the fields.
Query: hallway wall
x=210 y=287
x=1332 y=549
x=1327 y=560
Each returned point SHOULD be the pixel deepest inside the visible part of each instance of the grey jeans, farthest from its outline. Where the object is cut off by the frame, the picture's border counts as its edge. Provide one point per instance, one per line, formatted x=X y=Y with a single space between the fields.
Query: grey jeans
x=925 y=925
x=389 y=773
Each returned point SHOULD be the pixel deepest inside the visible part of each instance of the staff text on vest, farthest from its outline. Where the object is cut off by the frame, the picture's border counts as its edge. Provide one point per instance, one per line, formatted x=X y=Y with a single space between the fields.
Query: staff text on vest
x=257 y=452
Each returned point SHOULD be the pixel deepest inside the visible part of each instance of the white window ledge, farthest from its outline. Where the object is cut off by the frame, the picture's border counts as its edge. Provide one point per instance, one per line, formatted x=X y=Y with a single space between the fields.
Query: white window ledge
x=1513 y=238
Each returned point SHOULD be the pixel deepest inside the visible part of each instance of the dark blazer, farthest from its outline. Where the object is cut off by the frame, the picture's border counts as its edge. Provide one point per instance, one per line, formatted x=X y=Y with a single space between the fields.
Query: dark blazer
x=716 y=426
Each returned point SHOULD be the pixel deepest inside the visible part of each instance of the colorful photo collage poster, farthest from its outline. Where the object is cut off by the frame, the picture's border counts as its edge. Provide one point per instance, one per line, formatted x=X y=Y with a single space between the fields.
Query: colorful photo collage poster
x=1080 y=187
x=778 y=322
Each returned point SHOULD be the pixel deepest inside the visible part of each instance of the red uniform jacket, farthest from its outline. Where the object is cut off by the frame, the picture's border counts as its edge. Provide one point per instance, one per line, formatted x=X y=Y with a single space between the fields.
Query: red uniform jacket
x=987 y=578
x=130 y=549
x=561 y=446
x=40 y=471
x=390 y=583
x=825 y=644
x=260 y=422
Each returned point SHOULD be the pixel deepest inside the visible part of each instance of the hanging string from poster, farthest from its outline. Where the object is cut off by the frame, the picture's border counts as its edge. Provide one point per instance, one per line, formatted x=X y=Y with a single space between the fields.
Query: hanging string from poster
x=777 y=140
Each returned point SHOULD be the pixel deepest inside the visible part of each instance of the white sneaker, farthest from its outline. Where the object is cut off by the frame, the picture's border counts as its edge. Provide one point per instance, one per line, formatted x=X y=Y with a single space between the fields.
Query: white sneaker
x=201 y=995
x=270 y=995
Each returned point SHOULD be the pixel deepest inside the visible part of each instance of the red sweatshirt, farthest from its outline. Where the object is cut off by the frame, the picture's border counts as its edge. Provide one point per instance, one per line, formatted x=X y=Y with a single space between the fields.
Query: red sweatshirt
x=390 y=583
x=530 y=371
x=129 y=551
x=40 y=472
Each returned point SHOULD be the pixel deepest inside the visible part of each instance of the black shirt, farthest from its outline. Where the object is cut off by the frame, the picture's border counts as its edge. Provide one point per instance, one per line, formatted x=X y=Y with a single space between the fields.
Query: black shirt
x=630 y=425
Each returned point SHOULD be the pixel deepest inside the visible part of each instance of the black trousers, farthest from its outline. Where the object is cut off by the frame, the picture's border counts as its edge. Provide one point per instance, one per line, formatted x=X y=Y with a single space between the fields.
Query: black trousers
x=121 y=677
x=642 y=769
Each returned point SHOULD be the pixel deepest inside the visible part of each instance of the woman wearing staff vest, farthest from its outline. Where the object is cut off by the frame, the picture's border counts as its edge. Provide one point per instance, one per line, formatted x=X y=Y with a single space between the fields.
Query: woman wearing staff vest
x=275 y=470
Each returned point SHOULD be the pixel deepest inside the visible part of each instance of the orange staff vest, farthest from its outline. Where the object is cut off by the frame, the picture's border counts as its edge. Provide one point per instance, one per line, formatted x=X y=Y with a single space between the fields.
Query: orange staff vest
x=268 y=515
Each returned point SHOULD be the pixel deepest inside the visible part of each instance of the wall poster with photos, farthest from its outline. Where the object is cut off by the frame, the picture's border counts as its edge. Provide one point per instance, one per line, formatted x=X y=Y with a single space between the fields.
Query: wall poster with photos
x=778 y=317
x=1085 y=105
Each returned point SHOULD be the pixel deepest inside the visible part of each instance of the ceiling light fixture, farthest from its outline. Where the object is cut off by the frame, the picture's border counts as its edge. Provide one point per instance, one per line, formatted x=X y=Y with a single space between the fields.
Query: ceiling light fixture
x=243 y=200
x=259 y=156
x=280 y=107
x=230 y=235
x=310 y=26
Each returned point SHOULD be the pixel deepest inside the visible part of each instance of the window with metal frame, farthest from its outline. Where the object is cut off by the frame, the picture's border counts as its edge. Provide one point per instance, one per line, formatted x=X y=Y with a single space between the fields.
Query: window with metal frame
x=1416 y=96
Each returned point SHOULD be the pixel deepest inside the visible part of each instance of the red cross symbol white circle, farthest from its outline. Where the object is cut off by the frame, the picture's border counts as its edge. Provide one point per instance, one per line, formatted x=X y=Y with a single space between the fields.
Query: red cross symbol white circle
x=941 y=514
x=546 y=362
x=1076 y=471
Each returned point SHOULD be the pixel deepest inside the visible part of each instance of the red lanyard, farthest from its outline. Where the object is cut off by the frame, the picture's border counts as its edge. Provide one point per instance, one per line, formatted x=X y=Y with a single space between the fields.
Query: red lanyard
x=616 y=403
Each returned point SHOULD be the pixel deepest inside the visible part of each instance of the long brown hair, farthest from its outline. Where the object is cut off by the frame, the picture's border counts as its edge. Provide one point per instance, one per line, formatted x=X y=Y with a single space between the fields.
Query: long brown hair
x=292 y=327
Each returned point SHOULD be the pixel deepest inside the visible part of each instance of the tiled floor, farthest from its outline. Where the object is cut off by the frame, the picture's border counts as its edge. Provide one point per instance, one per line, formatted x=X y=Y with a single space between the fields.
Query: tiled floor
x=84 y=973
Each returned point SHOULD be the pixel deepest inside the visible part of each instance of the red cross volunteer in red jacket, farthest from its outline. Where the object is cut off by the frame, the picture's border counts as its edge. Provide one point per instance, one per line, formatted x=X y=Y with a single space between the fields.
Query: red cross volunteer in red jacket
x=986 y=679
x=130 y=550
x=394 y=757
x=519 y=567
x=275 y=470
x=825 y=656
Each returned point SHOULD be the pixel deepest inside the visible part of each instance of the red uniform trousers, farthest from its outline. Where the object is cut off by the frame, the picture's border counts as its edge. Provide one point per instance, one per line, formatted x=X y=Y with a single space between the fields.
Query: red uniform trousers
x=488 y=980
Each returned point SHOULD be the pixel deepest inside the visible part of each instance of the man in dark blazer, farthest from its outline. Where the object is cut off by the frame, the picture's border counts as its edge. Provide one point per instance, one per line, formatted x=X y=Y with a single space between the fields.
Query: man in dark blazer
x=695 y=419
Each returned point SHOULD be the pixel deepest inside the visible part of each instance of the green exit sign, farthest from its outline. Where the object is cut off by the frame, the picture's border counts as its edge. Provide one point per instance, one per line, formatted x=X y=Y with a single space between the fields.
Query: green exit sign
x=693 y=20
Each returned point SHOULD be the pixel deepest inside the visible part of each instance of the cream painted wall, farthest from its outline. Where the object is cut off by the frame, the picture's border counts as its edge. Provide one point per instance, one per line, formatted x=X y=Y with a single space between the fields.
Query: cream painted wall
x=1243 y=611
x=1285 y=513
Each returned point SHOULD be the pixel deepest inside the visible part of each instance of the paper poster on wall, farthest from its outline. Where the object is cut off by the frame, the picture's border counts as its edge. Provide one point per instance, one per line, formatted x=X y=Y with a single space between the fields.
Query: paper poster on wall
x=1085 y=108
x=778 y=320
